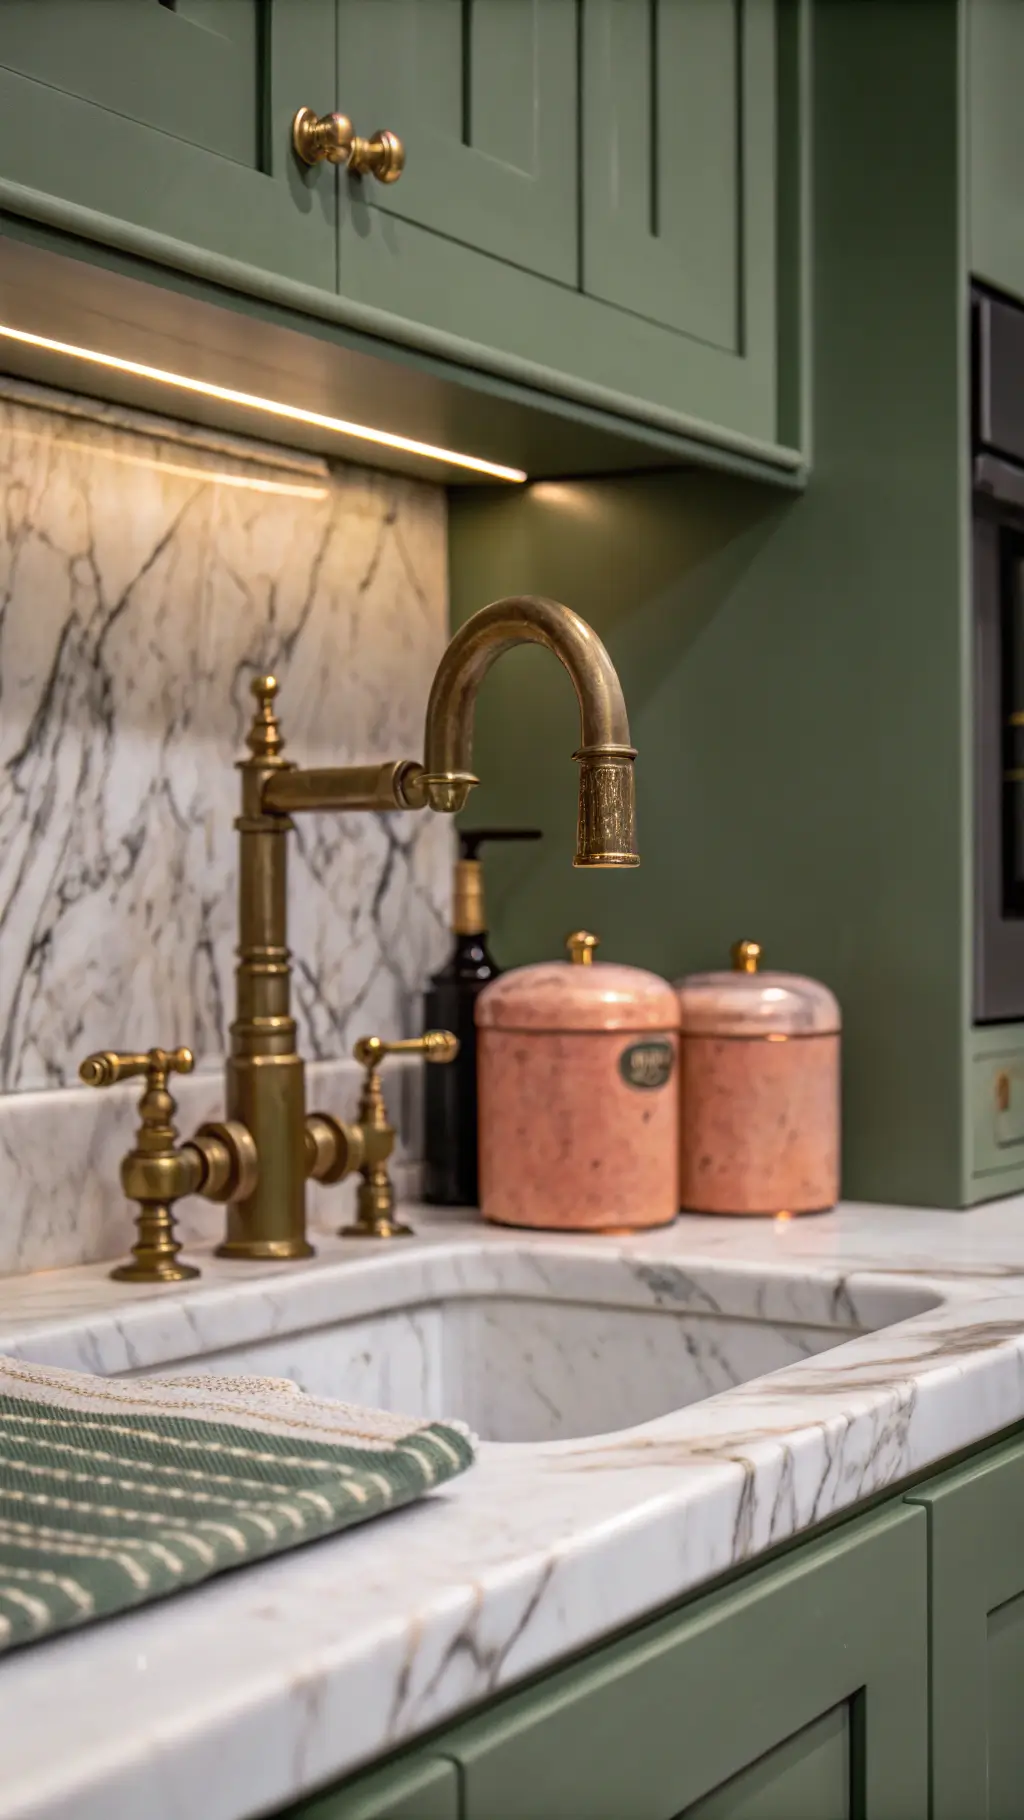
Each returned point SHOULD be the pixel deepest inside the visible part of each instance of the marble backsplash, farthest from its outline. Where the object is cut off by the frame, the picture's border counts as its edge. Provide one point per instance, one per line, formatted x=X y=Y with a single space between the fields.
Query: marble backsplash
x=146 y=575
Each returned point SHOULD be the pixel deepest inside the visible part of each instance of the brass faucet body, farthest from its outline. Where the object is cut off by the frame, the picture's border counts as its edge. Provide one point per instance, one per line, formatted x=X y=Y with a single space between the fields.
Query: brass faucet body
x=258 y=1161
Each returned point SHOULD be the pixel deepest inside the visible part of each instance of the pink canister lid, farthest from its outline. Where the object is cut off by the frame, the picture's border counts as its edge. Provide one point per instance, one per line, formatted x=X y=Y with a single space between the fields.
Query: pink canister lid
x=578 y=994
x=747 y=1002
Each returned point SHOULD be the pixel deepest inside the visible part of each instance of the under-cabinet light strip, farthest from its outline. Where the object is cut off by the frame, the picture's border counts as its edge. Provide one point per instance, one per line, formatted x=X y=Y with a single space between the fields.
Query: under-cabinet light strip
x=252 y=402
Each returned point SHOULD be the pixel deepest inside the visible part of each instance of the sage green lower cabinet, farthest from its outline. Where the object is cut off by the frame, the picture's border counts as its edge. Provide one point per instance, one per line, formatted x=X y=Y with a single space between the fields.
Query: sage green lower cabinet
x=976 y=1547
x=420 y=1790
x=798 y=1693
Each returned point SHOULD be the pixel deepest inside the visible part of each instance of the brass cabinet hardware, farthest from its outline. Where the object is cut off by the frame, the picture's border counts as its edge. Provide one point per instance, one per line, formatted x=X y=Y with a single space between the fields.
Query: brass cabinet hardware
x=219 y=1161
x=332 y=139
x=258 y=1162
x=1002 y=1085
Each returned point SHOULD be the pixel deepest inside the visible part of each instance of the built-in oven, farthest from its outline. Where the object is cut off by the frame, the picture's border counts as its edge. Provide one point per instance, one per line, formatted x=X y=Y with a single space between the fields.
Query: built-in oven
x=998 y=586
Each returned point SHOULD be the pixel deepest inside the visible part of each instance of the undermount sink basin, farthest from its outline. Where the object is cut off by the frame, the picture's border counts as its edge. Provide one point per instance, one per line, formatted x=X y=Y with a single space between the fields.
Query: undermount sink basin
x=539 y=1345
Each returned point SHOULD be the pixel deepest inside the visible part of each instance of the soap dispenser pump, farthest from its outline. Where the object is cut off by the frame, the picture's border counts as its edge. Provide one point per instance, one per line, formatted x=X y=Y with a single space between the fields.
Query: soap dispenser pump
x=450 y=1135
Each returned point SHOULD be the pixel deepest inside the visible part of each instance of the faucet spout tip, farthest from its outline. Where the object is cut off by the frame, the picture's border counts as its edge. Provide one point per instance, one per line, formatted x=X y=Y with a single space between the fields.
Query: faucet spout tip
x=606 y=829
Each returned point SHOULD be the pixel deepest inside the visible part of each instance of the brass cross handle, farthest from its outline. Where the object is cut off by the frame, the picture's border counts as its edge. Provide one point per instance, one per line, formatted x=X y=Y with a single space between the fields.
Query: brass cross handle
x=332 y=139
x=334 y=1150
x=219 y=1162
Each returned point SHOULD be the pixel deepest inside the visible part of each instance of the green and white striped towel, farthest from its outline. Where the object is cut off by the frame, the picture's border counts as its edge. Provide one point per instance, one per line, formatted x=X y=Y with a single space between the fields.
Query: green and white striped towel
x=114 y=1491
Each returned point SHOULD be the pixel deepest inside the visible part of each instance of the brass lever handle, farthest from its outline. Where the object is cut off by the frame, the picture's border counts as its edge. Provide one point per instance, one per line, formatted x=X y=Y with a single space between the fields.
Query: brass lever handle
x=433 y=1045
x=219 y=1162
x=332 y=139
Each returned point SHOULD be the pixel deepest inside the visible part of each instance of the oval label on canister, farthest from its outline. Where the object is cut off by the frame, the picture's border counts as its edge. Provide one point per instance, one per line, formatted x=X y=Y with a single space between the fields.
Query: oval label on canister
x=647 y=1064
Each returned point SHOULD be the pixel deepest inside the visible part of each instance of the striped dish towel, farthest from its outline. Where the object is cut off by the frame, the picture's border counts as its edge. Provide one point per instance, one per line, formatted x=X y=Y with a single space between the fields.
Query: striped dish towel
x=114 y=1492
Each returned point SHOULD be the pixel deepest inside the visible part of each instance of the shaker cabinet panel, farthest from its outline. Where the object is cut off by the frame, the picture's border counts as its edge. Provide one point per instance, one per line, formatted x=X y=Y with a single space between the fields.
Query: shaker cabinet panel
x=801 y=1691
x=191 y=71
x=483 y=94
x=175 y=118
x=679 y=161
x=976 y=1547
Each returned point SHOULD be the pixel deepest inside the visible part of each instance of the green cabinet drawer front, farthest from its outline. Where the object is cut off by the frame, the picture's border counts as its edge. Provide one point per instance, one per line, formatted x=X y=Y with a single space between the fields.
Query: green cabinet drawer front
x=484 y=96
x=800 y=1691
x=976 y=1544
x=679 y=161
x=422 y=1791
x=997 y=1113
x=176 y=120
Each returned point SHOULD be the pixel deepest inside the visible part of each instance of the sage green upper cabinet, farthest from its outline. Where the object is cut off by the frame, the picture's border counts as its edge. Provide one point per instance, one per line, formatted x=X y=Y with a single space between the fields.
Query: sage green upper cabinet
x=995 y=140
x=589 y=201
x=483 y=95
x=176 y=118
x=976 y=1547
x=679 y=155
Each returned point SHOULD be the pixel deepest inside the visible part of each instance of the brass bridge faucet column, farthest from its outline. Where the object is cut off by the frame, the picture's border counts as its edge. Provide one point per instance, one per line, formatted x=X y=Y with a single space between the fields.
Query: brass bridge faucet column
x=265 y=1080
x=259 y=1160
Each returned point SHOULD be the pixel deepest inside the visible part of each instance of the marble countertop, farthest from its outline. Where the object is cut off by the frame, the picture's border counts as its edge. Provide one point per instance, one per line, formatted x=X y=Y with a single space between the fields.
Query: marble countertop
x=243 y=1694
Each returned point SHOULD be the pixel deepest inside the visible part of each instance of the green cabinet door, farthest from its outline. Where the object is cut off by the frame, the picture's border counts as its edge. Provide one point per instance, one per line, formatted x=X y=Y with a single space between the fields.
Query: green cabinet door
x=976 y=1547
x=175 y=118
x=799 y=1693
x=483 y=95
x=995 y=141
x=403 y=1791
x=679 y=162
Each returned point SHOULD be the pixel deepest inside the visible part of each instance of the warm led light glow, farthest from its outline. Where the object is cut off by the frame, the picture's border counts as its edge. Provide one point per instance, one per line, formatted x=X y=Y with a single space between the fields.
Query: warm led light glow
x=251 y=402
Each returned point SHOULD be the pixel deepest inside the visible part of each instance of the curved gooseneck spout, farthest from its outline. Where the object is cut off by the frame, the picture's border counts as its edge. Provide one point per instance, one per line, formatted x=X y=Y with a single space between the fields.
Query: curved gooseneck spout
x=606 y=829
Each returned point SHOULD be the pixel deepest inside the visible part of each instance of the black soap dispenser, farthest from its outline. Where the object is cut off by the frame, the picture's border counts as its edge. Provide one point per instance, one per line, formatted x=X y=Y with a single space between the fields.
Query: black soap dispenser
x=450 y=1136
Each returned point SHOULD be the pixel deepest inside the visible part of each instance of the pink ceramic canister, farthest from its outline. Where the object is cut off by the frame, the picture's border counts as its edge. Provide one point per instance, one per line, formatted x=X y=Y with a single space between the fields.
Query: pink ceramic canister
x=579 y=1113
x=759 y=1090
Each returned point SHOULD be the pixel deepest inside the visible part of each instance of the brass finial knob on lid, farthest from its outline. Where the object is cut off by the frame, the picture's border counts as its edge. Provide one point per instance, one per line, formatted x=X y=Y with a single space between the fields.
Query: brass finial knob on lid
x=581 y=945
x=745 y=956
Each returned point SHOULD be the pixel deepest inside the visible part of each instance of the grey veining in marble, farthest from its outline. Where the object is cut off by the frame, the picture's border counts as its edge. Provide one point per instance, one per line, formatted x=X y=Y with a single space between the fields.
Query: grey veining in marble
x=885 y=1339
x=144 y=579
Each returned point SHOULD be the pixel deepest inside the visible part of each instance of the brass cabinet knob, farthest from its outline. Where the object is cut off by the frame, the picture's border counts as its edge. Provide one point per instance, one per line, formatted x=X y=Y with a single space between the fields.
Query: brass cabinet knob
x=219 y=1163
x=332 y=139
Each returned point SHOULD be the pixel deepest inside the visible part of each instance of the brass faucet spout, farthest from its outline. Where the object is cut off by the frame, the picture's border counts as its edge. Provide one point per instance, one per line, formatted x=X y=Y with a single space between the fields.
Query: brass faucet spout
x=606 y=831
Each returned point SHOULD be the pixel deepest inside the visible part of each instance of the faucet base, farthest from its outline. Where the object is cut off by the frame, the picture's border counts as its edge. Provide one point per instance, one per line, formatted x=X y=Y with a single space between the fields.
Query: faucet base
x=382 y=1228
x=156 y=1271
x=262 y=1250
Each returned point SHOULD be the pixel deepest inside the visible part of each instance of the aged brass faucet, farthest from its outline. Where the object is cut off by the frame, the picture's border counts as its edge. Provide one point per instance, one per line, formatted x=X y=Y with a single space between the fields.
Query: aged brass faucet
x=258 y=1161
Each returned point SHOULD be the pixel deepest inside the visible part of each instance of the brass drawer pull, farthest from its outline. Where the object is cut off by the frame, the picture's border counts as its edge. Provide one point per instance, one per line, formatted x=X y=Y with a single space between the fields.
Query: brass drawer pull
x=331 y=138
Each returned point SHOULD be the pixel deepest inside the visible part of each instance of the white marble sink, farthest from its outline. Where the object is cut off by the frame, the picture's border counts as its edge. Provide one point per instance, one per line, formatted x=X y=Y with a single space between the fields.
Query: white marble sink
x=544 y=1346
